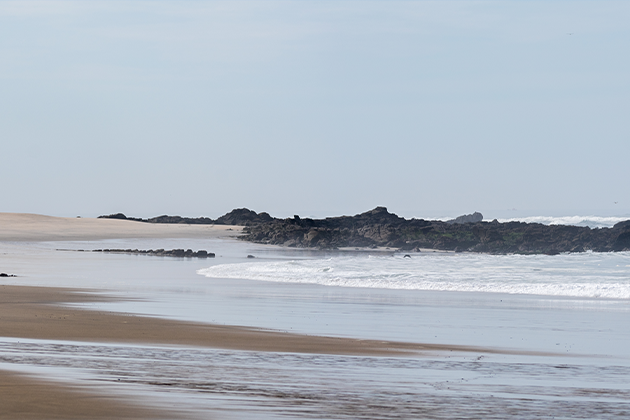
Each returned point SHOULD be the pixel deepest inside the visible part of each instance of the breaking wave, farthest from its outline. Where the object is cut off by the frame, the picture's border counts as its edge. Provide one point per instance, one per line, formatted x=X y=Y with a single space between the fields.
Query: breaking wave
x=591 y=275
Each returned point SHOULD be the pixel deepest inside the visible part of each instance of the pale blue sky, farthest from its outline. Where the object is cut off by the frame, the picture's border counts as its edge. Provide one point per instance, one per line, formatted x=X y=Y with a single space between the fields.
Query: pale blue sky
x=316 y=108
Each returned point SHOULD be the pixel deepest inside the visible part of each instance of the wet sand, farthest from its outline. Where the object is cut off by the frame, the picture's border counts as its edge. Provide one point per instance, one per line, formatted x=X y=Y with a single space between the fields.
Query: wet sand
x=36 y=313
x=280 y=373
x=29 y=397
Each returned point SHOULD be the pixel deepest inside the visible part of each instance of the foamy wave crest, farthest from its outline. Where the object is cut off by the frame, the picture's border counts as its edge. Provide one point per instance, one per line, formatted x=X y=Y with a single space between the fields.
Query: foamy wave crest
x=590 y=221
x=579 y=275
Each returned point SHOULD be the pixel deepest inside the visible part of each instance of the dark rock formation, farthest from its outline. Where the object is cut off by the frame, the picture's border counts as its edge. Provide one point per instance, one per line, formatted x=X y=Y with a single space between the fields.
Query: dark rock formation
x=243 y=217
x=625 y=225
x=114 y=216
x=7 y=275
x=467 y=218
x=189 y=253
x=378 y=227
x=120 y=216
x=180 y=220
x=622 y=243
x=239 y=217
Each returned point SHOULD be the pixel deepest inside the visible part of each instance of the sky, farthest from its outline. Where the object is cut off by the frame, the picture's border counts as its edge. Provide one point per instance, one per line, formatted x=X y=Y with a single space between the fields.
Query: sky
x=317 y=108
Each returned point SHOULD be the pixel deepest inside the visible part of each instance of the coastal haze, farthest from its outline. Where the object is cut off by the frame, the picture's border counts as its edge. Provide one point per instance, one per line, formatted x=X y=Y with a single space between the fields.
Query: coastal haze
x=256 y=272
x=433 y=109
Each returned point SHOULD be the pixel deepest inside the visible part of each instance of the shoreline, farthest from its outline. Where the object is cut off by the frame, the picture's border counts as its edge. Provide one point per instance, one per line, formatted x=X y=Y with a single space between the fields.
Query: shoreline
x=39 y=313
x=257 y=358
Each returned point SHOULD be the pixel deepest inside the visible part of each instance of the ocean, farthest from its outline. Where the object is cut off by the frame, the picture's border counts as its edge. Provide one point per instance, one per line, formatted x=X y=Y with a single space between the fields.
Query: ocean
x=589 y=275
x=563 y=319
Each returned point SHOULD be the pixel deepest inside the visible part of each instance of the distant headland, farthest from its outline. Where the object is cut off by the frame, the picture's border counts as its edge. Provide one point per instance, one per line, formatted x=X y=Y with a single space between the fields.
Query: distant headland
x=380 y=228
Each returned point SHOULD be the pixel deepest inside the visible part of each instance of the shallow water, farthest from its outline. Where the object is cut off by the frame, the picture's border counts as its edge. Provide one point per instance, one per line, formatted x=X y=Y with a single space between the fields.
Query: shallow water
x=589 y=381
x=270 y=385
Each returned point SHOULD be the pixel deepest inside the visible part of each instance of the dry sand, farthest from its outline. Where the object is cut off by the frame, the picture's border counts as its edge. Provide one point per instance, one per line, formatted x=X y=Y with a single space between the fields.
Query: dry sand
x=35 y=227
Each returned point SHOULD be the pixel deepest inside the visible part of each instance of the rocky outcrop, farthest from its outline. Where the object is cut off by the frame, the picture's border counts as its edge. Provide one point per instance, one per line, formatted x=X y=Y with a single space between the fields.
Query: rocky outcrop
x=181 y=220
x=189 y=253
x=239 y=217
x=622 y=242
x=379 y=228
x=243 y=217
x=467 y=218
x=120 y=216
x=163 y=219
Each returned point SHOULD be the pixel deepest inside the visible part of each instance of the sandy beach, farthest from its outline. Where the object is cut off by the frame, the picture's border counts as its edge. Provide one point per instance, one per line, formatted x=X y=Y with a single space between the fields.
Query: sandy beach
x=31 y=312
x=22 y=227
x=38 y=313
x=27 y=312
x=149 y=337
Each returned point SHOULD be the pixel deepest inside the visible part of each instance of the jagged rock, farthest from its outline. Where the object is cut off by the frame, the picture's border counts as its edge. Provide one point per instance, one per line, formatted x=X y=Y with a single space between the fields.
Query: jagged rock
x=180 y=220
x=239 y=217
x=243 y=217
x=161 y=252
x=467 y=218
x=113 y=216
x=380 y=228
x=622 y=242
x=625 y=225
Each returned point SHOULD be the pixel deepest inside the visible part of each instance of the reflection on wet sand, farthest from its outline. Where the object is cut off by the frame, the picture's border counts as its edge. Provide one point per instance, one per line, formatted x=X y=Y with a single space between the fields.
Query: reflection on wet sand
x=281 y=385
x=30 y=312
x=29 y=397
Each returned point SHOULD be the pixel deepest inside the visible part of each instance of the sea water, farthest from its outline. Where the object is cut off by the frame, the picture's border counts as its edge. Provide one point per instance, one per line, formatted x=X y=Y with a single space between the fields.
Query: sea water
x=589 y=275
x=575 y=307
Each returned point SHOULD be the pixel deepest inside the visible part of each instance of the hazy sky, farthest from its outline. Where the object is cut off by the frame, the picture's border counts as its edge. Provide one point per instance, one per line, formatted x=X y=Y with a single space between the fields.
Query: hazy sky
x=431 y=108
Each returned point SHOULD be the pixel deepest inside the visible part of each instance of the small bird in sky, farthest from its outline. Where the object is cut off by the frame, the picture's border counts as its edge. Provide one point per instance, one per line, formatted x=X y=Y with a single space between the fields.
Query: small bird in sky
x=570 y=33
x=616 y=202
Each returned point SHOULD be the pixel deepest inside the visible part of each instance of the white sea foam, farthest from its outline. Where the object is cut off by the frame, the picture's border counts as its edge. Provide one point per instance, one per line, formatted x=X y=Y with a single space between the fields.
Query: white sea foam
x=591 y=275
